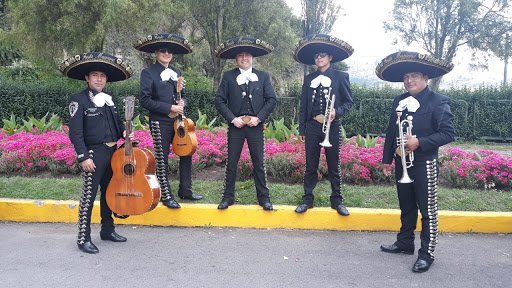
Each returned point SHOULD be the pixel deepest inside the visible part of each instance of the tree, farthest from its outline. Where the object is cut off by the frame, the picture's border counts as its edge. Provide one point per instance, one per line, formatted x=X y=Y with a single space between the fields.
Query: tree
x=496 y=39
x=318 y=16
x=49 y=30
x=442 y=26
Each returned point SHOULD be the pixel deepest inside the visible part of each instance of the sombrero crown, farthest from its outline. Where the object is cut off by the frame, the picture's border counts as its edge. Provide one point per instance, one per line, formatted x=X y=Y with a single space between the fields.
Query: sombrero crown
x=235 y=46
x=393 y=67
x=317 y=43
x=78 y=66
x=175 y=43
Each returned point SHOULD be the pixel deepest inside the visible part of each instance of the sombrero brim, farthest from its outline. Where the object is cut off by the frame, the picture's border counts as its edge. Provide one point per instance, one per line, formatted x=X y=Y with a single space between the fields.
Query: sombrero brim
x=176 y=44
x=235 y=46
x=318 y=43
x=394 y=67
x=78 y=66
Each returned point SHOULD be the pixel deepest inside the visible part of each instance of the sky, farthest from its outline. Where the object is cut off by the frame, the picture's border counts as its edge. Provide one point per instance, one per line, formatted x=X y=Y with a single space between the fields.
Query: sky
x=360 y=24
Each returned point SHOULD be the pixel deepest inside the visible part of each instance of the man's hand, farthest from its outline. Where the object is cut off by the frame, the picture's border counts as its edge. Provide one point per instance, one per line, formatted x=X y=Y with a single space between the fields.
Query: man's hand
x=412 y=143
x=387 y=169
x=302 y=138
x=88 y=165
x=332 y=115
x=253 y=122
x=238 y=122
x=177 y=109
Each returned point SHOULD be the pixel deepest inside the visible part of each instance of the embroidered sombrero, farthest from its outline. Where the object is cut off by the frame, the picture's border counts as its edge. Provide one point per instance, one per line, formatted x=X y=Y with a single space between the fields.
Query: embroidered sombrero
x=173 y=42
x=78 y=66
x=393 y=67
x=235 y=46
x=317 y=43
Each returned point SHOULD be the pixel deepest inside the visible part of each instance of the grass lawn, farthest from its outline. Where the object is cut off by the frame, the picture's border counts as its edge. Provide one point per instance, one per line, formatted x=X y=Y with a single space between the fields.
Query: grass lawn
x=68 y=188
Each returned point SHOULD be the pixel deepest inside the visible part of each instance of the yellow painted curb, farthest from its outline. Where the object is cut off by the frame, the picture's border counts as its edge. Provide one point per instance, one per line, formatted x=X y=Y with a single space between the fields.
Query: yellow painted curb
x=252 y=216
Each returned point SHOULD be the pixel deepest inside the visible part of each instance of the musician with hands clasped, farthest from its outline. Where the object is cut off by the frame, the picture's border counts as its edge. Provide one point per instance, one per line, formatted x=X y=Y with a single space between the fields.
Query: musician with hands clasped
x=94 y=129
x=245 y=98
x=326 y=97
x=159 y=94
x=422 y=121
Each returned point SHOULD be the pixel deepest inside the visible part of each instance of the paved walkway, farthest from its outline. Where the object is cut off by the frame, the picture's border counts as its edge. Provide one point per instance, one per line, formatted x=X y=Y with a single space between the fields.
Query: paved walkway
x=45 y=255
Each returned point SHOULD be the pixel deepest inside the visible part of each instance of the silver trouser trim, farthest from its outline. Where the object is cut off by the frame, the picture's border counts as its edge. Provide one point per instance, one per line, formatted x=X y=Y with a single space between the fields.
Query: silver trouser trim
x=85 y=206
x=432 y=208
x=156 y=134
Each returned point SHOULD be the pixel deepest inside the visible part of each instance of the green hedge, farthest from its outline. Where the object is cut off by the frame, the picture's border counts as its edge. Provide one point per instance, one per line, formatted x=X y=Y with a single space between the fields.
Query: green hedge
x=482 y=113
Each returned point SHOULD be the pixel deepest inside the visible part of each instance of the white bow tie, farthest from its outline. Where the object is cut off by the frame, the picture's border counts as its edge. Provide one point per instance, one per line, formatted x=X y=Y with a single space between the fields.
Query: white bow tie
x=101 y=99
x=244 y=78
x=410 y=103
x=321 y=79
x=169 y=74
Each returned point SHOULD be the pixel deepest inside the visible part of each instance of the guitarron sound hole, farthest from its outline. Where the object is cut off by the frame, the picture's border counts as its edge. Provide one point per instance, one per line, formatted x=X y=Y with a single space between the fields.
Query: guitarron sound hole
x=129 y=169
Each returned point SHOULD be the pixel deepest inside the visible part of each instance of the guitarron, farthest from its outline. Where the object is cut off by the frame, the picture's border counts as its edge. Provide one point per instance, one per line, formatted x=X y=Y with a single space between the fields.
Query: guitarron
x=184 y=142
x=134 y=188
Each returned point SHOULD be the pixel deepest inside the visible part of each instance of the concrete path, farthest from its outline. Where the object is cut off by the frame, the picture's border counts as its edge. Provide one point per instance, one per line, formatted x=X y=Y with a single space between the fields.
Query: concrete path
x=45 y=255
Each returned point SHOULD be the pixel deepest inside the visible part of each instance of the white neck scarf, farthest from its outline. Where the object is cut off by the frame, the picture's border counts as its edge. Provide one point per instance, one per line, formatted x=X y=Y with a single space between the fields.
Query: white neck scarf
x=410 y=103
x=246 y=76
x=169 y=74
x=101 y=99
x=321 y=79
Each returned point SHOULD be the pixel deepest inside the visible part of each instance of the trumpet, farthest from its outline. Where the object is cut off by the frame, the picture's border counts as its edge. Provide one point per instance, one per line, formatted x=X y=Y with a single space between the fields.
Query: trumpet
x=326 y=126
x=407 y=157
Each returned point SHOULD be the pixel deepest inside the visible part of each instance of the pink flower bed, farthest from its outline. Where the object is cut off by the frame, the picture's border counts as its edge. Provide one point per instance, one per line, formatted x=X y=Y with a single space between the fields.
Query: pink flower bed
x=52 y=151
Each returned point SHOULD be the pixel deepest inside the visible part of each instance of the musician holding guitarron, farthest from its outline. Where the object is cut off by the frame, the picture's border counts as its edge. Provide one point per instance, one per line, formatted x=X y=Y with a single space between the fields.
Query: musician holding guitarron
x=94 y=129
x=162 y=93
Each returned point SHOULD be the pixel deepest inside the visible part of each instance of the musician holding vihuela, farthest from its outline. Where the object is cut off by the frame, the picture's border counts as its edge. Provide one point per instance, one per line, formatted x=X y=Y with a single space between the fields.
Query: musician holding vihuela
x=94 y=129
x=161 y=88
x=326 y=97
x=420 y=122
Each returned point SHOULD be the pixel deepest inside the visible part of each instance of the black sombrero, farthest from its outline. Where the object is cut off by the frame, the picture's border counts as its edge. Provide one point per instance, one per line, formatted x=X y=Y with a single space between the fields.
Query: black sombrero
x=318 y=43
x=175 y=43
x=235 y=46
x=78 y=66
x=393 y=67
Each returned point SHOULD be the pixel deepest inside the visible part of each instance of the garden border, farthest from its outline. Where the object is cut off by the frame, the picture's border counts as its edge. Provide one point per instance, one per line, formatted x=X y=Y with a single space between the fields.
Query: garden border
x=252 y=216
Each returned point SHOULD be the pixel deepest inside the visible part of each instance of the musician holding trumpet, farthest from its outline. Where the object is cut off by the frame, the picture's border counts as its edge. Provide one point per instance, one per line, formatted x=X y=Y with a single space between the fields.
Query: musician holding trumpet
x=326 y=97
x=420 y=123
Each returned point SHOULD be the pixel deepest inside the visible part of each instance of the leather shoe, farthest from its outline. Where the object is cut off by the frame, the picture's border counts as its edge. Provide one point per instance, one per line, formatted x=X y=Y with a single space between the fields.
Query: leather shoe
x=421 y=266
x=341 y=209
x=193 y=197
x=171 y=203
x=114 y=237
x=224 y=204
x=303 y=208
x=267 y=206
x=395 y=249
x=88 y=247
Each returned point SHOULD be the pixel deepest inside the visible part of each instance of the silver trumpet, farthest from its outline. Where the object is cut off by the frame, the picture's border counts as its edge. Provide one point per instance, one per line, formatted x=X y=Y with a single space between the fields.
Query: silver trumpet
x=407 y=157
x=326 y=126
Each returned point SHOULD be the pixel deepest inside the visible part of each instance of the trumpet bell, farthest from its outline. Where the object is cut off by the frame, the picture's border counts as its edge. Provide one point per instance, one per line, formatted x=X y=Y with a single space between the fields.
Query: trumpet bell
x=326 y=143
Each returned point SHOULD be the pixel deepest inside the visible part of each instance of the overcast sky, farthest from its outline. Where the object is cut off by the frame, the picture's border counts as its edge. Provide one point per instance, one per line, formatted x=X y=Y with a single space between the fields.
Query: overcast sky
x=361 y=25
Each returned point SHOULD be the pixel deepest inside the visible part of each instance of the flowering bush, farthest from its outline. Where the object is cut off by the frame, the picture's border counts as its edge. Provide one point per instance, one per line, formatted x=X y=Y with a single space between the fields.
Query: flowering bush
x=284 y=161
x=481 y=169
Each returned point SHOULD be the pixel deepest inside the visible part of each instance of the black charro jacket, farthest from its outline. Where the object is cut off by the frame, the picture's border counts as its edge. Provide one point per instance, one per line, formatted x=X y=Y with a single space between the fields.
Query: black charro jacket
x=340 y=85
x=229 y=98
x=87 y=123
x=156 y=95
x=432 y=125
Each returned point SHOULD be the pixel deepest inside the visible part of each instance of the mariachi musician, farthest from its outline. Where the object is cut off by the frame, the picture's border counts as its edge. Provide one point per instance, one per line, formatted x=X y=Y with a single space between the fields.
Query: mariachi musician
x=326 y=97
x=245 y=98
x=94 y=128
x=158 y=94
x=416 y=166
